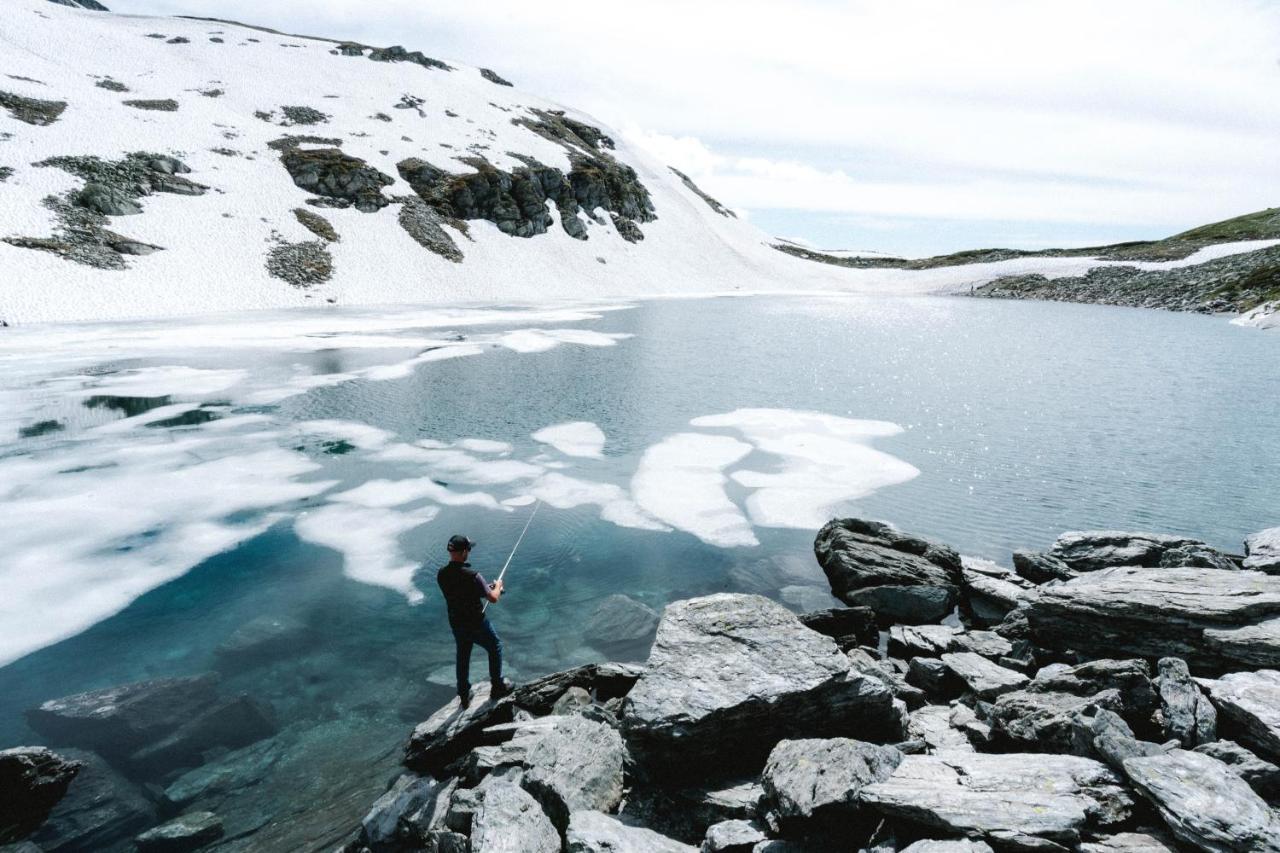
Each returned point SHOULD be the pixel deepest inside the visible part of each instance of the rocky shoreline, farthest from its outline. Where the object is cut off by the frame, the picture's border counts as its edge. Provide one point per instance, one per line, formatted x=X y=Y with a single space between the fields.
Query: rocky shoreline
x=1118 y=692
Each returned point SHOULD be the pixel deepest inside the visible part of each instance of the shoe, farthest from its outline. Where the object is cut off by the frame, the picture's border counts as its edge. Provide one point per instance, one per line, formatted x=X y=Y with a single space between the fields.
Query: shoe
x=499 y=689
x=464 y=698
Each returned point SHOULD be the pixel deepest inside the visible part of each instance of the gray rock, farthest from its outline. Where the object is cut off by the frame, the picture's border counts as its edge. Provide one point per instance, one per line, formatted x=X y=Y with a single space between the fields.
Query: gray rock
x=986 y=679
x=164 y=105
x=1089 y=551
x=107 y=200
x=574 y=699
x=731 y=675
x=935 y=678
x=331 y=173
x=32 y=110
x=1016 y=801
x=188 y=832
x=1130 y=842
x=1250 y=702
x=932 y=724
x=300 y=264
x=1112 y=739
x=33 y=780
x=386 y=822
x=864 y=663
x=819 y=779
x=226 y=775
x=117 y=721
x=322 y=228
x=1041 y=568
x=578 y=765
x=1204 y=803
x=732 y=836
x=988 y=592
x=903 y=578
x=621 y=627
x=1262 y=551
x=453 y=730
x=962 y=846
x=1186 y=714
x=1132 y=678
x=1048 y=721
x=492 y=77
x=99 y=810
x=508 y=820
x=1262 y=776
x=1196 y=614
x=930 y=641
x=593 y=832
x=685 y=813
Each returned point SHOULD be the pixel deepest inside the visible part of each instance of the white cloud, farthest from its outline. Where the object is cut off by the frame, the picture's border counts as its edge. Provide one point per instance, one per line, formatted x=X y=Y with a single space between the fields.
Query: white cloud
x=1153 y=112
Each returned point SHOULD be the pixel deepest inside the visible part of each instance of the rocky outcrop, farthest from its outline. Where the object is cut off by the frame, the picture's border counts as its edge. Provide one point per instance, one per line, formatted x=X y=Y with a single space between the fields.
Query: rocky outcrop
x=32 y=110
x=577 y=765
x=421 y=222
x=1204 y=804
x=693 y=188
x=162 y=105
x=492 y=77
x=902 y=578
x=1012 y=801
x=1090 y=551
x=332 y=174
x=33 y=780
x=731 y=675
x=302 y=265
x=1212 y=619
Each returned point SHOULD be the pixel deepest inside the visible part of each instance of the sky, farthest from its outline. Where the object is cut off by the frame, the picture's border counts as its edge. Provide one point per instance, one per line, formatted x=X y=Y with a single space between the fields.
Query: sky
x=910 y=127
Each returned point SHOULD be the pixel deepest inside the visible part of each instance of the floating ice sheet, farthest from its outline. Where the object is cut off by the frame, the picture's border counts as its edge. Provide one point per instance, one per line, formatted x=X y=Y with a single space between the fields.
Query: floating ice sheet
x=680 y=481
x=369 y=541
x=616 y=506
x=578 y=438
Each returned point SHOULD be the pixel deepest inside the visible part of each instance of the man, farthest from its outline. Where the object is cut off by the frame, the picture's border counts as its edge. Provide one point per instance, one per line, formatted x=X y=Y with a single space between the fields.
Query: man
x=465 y=594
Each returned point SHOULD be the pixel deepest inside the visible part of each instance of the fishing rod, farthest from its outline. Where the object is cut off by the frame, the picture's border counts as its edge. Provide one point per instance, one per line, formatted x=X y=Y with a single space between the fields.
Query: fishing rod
x=519 y=539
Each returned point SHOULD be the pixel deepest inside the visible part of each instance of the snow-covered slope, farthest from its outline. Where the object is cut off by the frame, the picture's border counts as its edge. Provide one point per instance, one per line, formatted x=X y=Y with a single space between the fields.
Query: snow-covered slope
x=228 y=102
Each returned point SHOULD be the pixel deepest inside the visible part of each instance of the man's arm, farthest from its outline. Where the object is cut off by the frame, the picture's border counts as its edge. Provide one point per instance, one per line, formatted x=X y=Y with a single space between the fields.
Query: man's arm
x=487 y=592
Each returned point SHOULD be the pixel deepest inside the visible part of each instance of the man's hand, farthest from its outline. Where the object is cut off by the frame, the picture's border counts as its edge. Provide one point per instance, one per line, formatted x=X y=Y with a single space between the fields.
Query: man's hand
x=495 y=590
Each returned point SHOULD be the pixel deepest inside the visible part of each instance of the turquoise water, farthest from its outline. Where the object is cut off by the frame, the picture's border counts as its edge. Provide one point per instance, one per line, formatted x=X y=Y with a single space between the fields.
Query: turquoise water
x=1021 y=419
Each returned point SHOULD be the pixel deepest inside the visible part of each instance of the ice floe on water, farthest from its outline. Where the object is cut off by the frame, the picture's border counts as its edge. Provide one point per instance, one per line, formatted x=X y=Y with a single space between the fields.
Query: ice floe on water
x=369 y=541
x=380 y=494
x=680 y=480
x=541 y=340
x=578 y=438
x=825 y=461
x=616 y=506
x=171 y=380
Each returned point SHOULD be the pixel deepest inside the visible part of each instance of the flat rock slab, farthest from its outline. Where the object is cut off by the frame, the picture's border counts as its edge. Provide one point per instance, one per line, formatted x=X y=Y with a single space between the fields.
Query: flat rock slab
x=1204 y=803
x=903 y=578
x=1251 y=702
x=182 y=834
x=99 y=810
x=820 y=778
x=1262 y=776
x=730 y=675
x=452 y=730
x=1000 y=798
x=32 y=781
x=732 y=836
x=932 y=724
x=509 y=820
x=1049 y=721
x=1164 y=612
x=1089 y=551
x=1130 y=842
x=961 y=846
x=593 y=832
x=1262 y=551
x=987 y=680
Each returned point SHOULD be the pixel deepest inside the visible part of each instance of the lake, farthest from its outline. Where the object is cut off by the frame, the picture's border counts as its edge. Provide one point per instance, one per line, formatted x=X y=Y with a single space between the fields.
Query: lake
x=166 y=485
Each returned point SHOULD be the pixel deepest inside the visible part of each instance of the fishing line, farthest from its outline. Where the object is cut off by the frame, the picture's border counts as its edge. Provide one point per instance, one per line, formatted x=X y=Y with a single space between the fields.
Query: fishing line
x=520 y=539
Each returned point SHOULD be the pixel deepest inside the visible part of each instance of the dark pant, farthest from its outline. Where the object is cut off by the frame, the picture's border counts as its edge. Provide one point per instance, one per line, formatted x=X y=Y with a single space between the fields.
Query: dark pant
x=481 y=635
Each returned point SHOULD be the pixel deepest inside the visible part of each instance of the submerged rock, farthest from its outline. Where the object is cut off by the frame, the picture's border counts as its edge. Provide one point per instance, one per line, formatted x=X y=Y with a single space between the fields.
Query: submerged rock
x=903 y=578
x=620 y=626
x=1015 y=801
x=1204 y=803
x=182 y=834
x=730 y=675
x=33 y=780
x=100 y=811
x=1212 y=619
x=593 y=832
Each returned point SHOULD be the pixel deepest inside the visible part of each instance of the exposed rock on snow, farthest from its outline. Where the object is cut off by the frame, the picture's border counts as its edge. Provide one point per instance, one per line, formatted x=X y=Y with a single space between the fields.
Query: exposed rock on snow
x=1212 y=619
x=1016 y=801
x=492 y=77
x=33 y=780
x=1204 y=803
x=330 y=173
x=903 y=578
x=164 y=105
x=711 y=202
x=32 y=110
x=301 y=264
x=421 y=222
x=731 y=675
x=316 y=224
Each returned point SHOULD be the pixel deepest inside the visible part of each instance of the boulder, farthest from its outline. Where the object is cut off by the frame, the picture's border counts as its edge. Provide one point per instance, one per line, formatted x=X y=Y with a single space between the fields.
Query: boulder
x=932 y=724
x=1204 y=803
x=1130 y=842
x=100 y=808
x=1041 y=568
x=730 y=675
x=107 y=200
x=1262 y=776
x=1186 y=714
x=508 y=820
x=863 y=662
x=732 y=836
x=686 y=813
x=902 y=578
x=1250 y=703
x=604 y=680
x=33 y=780
x=228 y=723
x=1016 y=801
x=1132 y=678
x=578 y=765
x=1262 y=551
x=593 y=832
x=818 y=780
x=453 y=730
x=985 y=679
x=386 y=824
x=117 y=721
x=988 y=592
x=934 y=678
x=848 y=626
x=1214 y=620
x=1089 y=551
x=621 y=627
x=1049 y=721
x=182 y=834
x=574 y=699
x=930 y=641
x=329 y=172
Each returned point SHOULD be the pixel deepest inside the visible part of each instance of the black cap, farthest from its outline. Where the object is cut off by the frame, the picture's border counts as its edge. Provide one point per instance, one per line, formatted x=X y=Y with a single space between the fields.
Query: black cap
x=460 y=543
